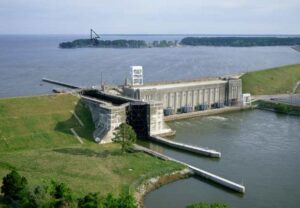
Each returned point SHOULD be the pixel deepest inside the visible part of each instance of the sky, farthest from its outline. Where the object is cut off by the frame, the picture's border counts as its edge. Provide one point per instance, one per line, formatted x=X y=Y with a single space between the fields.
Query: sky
x=150 y=16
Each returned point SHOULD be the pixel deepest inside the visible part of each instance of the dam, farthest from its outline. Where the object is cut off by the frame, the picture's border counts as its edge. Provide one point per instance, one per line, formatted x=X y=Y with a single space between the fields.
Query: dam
x=145 y=107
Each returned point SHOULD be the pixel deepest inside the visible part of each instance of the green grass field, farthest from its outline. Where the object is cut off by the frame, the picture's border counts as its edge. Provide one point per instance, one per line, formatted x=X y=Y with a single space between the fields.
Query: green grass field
x=35 y=139
x=279 y=80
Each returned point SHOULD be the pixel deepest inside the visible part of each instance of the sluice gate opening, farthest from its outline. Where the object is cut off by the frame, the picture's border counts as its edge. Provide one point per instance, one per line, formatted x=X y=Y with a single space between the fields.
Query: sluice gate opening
x=138 y=117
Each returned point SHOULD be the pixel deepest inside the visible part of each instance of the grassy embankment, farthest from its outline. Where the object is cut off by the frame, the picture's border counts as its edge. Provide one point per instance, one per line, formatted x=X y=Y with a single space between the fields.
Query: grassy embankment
x=279 y=107
x=278 y=80
x=35 y=139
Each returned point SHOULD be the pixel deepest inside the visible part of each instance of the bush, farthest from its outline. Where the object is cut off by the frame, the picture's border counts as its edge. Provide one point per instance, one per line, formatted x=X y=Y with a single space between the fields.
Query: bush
x=58 y=195
x=14 y=186
x=63 y=196
x=91 y=200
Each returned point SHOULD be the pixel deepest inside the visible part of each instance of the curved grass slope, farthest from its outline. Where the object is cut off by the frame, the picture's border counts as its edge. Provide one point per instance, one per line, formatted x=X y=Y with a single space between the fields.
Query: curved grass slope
x=278 y=80
x=35 y=140
x=42 y=122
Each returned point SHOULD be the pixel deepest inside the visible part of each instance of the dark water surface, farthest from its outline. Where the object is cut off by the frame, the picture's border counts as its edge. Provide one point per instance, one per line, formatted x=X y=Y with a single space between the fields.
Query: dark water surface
x=25 y=60
x=259 y=149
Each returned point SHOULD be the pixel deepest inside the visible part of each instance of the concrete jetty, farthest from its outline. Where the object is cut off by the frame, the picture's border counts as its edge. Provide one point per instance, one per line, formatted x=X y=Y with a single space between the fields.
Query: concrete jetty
x=197 y=171
x=61 y=83
x=189 y=148
x=217 y=179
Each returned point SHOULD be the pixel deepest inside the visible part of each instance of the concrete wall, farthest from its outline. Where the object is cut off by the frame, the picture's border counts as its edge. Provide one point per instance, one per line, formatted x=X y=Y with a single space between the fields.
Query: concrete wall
x=192 y=96
x=106 y=119
x=157 y=123
x=234 y=92
x=225 y=92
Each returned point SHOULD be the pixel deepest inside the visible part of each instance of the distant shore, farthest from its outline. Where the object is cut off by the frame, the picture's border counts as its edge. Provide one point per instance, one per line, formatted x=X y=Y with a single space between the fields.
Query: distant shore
x=187 y=41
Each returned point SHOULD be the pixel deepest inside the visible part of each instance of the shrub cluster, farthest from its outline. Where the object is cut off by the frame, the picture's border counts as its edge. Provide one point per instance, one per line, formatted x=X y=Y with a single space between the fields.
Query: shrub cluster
x=58 y=195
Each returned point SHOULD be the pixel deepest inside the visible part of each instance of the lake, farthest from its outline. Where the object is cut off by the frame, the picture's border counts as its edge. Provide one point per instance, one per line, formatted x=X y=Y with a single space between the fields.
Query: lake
x=26 y=59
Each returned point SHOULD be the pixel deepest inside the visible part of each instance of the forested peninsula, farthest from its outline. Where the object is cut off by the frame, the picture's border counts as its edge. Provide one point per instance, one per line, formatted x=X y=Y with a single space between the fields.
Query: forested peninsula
x=188 y=41
x=240 y=41
x=94 y=43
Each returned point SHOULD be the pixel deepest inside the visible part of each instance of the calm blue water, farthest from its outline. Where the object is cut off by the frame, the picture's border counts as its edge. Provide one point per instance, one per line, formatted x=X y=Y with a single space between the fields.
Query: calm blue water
x=26 y=59
x=260 y=149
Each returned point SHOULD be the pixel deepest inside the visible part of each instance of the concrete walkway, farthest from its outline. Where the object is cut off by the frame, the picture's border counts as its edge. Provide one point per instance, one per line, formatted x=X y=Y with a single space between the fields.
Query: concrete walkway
x=189 y=148
x=76 y=135
x=197 y=171
x=290 y=99
x=77 y=118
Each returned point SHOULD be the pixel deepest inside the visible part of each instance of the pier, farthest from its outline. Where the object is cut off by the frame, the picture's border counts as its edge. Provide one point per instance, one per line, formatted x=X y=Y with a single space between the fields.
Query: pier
x=197 y=171
x=61 y=83
x=185 y=147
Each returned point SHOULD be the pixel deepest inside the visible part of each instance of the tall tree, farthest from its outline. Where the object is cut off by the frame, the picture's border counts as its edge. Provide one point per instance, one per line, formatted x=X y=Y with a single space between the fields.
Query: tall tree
x=126 y=136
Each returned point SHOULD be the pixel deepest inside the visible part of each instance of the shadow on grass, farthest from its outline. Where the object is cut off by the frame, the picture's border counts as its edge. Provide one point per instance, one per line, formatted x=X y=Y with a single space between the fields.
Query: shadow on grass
x=86 y=131
x=88 y=152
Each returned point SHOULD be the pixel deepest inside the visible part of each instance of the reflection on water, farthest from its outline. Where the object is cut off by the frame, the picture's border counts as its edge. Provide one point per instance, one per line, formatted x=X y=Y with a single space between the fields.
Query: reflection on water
x=259 y=149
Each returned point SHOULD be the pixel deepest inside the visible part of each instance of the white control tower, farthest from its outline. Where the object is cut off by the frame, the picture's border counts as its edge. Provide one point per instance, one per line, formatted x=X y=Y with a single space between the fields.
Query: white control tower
x=137 y=75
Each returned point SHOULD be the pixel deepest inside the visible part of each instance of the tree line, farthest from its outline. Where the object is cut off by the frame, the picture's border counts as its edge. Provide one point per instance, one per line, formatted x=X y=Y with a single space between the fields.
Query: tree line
x=57 y=195
x=240 y=41
x=94 y=43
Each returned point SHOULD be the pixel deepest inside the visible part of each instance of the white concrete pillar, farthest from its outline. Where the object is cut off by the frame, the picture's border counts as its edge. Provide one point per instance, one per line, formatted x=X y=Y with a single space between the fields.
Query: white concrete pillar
x=193 y=99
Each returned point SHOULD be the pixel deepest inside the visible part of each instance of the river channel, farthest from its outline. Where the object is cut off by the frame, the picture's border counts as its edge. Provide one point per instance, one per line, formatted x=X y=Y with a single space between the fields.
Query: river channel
x=259 y=149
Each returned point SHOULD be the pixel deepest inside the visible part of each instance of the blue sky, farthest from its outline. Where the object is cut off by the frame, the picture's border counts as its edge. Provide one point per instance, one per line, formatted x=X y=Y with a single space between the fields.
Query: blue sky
x=150 y=16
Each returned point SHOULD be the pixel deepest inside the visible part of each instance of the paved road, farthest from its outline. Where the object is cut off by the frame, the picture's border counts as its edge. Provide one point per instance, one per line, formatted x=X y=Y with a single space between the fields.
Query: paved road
x=291 y=99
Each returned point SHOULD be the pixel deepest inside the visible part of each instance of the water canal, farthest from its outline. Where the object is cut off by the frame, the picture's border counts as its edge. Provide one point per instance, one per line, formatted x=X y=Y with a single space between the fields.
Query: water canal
x=259 y=149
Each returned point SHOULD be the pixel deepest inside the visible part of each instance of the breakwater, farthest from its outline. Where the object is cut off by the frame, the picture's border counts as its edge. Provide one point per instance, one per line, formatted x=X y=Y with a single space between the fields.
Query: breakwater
x=197 y=150
x=197 y=171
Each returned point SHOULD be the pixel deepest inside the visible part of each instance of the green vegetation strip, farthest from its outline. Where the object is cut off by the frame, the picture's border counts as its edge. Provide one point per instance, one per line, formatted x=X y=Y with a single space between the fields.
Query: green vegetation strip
x=279 y=107
x=278 y=80
x=240 y=41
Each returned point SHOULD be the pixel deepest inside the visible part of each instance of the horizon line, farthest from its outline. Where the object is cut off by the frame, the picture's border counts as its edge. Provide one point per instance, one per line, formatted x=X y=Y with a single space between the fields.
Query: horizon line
x=158 y=34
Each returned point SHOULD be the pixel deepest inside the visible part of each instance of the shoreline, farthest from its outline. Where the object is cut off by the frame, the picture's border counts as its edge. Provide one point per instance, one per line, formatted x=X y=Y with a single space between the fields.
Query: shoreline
x=156 y=182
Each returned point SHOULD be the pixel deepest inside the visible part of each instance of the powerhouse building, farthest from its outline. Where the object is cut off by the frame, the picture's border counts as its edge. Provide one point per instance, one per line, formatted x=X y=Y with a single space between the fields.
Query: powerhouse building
x=188 y=96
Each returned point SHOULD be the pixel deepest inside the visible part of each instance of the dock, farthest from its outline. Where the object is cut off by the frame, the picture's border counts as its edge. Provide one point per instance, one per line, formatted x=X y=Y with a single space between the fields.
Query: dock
x=197 y=171
x=71 y=86
x=189 y=148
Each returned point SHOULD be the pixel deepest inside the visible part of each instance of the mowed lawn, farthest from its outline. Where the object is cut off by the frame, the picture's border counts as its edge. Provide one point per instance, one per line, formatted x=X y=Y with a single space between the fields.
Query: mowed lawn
x=35 y=139
x=41 y=122
x=278 y=80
